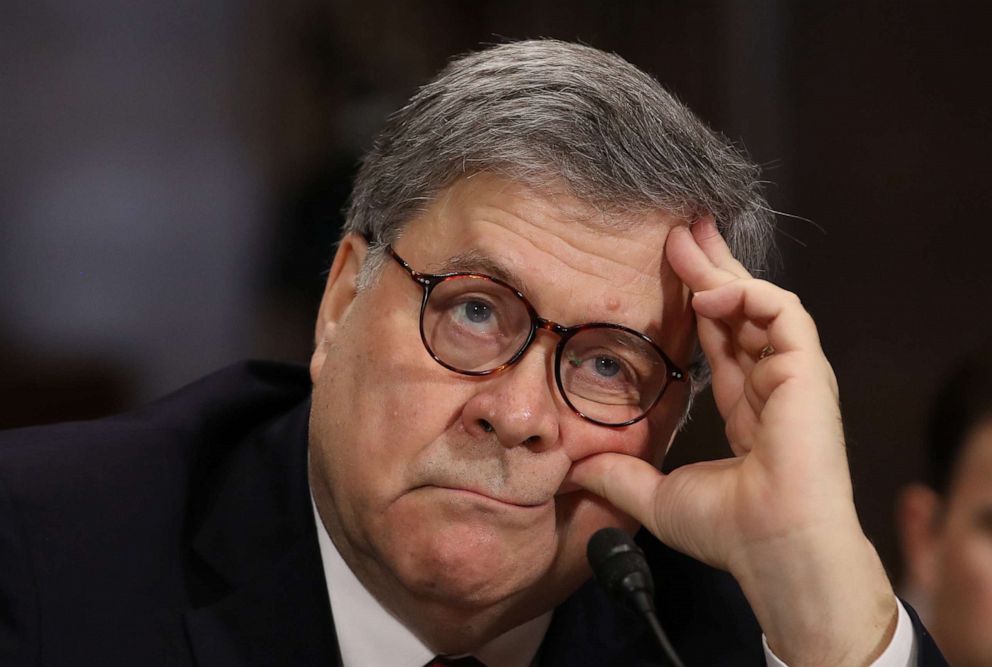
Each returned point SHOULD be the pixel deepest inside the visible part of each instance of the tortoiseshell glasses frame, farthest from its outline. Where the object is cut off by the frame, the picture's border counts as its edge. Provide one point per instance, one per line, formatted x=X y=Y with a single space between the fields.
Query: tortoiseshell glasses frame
x=623 y=337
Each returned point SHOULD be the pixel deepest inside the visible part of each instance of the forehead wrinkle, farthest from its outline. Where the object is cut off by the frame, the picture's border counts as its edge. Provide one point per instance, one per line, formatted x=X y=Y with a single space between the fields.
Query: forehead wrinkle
x=622 y=278
x=545 y=212
x=620 y=293
x=581 y=254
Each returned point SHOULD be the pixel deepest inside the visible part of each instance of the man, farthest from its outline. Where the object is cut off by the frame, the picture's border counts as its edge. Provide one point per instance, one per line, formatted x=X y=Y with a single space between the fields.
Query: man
x=504 y=351
x=946 y=523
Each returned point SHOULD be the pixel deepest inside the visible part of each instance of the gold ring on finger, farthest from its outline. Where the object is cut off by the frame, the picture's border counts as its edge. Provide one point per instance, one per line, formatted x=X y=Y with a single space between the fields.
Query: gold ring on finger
x=766 y=351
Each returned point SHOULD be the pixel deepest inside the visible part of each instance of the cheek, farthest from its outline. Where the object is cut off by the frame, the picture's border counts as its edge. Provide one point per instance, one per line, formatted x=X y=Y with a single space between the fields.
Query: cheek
x=971 y=568
x=579 y=516
x=964 y=596
x=388 y=378
x=583 y=439
x=378 y=402
x=647 y=439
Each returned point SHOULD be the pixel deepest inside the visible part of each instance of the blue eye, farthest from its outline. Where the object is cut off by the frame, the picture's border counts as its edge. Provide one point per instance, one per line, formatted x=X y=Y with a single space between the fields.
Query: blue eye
x=477 y=311
x=604 y=366
x=607 y=366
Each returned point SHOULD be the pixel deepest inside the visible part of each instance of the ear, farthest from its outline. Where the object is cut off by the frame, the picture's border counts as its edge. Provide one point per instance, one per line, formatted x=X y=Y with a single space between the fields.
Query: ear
x=339 y=293
x=918 y=517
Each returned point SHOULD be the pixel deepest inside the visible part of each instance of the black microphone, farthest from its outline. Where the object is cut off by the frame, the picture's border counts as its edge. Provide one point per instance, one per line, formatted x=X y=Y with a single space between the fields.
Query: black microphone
x=621 y=569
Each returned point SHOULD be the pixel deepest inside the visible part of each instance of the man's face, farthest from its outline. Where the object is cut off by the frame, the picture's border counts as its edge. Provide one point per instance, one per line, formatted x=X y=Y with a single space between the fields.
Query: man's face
x=961 y=594
x=444 y=489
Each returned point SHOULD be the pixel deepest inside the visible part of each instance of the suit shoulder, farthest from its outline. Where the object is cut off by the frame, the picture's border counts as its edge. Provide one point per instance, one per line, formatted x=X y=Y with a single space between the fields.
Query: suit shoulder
x=151 y=446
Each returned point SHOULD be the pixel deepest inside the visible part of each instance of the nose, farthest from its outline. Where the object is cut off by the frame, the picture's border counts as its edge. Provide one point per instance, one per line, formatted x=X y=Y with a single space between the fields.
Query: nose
x=518 y=405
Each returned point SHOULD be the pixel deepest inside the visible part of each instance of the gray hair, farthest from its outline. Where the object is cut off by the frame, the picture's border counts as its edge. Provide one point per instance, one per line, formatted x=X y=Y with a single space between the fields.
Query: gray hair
x=543 y=113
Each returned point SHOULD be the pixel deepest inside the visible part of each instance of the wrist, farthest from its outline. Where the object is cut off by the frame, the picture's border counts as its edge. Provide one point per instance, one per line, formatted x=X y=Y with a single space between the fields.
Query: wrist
x=829 y=603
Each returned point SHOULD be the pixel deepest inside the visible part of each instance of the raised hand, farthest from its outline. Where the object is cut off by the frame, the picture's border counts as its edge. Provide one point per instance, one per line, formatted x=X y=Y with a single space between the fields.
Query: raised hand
x=779 y=515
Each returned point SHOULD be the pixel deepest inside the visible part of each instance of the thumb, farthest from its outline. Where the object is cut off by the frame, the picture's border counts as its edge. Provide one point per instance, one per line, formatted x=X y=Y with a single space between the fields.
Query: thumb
x=630 y=484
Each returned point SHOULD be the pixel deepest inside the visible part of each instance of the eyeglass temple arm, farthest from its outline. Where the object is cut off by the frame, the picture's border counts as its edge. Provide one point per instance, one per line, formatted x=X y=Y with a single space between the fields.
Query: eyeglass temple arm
x=424 y=279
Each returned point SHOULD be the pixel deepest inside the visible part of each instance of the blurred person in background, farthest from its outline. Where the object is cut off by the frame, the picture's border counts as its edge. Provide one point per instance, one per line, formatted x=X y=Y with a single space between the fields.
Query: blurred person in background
x=946 y=521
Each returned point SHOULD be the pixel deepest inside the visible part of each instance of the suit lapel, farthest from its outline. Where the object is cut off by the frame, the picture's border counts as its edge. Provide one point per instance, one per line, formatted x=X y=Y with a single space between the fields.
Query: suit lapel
x=702 y=610
x=588 y=629
x=282 y=618
x=256 y=581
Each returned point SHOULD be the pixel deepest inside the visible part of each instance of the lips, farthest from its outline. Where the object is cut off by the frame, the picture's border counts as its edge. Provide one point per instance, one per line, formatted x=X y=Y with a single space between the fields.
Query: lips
x=515 y=479
x=505 y=500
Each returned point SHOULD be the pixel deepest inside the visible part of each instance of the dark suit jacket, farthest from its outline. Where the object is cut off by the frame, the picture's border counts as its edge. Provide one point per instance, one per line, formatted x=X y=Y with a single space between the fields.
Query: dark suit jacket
x=182 y=533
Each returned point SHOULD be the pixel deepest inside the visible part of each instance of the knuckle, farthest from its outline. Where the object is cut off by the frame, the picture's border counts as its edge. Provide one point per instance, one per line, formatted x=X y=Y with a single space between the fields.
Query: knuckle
x=792 y=298
x=772 y=288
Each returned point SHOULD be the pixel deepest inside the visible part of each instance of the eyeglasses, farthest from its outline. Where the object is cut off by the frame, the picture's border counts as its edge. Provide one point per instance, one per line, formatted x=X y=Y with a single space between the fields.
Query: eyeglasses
x=475 y=324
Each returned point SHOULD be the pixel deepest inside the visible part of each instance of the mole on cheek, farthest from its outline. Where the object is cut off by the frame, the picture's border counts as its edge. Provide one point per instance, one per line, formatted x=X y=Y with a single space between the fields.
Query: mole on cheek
x=612 y=304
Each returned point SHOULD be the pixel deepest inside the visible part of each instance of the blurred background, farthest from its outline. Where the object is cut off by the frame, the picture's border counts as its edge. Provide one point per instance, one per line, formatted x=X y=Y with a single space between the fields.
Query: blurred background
x=173 y=173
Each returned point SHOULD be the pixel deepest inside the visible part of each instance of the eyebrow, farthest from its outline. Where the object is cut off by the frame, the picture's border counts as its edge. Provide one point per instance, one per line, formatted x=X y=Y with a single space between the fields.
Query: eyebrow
x=474 y=261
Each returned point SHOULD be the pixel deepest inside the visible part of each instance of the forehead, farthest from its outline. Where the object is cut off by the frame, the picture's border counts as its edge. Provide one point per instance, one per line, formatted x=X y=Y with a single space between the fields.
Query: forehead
x=574 y=262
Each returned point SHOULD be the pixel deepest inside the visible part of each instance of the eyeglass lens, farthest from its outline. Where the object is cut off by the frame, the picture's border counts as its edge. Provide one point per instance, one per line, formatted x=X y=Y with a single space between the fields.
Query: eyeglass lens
x=473 y=324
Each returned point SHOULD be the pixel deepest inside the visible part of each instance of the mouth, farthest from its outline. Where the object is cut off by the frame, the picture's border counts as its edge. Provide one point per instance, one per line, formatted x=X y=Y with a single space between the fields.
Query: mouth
x=484 y=497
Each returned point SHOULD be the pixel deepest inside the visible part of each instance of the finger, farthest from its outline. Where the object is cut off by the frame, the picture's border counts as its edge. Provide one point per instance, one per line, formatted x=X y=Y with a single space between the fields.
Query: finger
x=772 y=372
x=800 y=399
x=740 y=425
x=717 y=342
x=788 y=324
x=748 y=339
x=768 y=376
x=752 y=338
x=711 y=241
x=692 y=265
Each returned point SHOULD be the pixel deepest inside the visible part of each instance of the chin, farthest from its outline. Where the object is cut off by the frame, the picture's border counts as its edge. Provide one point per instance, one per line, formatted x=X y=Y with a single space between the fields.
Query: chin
x=471 y=564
